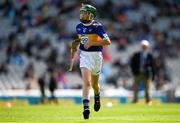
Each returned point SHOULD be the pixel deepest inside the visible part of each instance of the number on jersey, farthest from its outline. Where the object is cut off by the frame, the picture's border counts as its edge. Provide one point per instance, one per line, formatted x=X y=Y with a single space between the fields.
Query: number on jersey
x=84 y=39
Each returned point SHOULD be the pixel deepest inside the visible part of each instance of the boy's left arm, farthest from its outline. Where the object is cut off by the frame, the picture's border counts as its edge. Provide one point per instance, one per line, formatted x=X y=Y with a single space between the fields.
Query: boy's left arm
x=98 y=43
x=100 y=32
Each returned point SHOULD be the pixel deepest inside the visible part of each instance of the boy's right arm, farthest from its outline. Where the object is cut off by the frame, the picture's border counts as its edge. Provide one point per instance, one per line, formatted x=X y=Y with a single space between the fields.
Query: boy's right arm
x=74 y=46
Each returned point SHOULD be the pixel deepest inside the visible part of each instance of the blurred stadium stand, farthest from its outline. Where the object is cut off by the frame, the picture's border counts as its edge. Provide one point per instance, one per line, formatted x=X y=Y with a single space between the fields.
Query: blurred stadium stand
x=35 y=36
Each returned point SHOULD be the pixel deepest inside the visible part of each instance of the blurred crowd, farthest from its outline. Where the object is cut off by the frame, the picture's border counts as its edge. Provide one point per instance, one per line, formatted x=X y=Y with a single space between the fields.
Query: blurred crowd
x=42 y=30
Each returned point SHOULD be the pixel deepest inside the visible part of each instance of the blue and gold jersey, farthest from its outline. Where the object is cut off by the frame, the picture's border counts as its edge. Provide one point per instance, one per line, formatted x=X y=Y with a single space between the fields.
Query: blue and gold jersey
x=92 y=33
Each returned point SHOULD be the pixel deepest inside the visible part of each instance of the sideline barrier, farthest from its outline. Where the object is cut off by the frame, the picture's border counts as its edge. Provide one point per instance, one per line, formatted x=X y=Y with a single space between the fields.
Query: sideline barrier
x=118 y=96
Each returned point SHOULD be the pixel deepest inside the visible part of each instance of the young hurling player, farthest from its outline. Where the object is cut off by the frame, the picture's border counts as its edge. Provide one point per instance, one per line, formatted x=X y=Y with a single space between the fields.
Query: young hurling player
x=92 y=38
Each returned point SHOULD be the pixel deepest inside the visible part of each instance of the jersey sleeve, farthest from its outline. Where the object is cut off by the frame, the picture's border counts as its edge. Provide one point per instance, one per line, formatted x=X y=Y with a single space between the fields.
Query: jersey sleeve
x=101 y=32
x=77 y=31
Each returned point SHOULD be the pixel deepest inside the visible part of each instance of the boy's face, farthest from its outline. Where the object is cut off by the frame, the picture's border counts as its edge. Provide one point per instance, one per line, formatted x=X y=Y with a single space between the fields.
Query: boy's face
x=85 y=17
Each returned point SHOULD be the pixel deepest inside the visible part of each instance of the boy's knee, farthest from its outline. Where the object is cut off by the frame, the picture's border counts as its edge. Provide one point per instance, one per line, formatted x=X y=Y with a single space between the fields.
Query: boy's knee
x=87 y=83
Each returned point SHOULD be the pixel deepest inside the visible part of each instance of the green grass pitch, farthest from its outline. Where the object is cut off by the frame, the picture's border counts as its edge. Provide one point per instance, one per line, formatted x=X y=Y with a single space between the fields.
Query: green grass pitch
x=122 y=113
